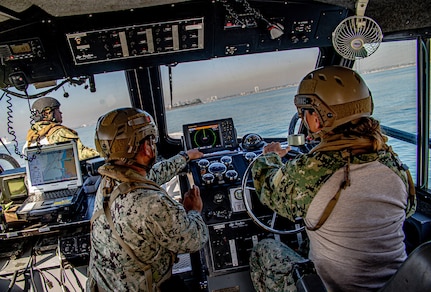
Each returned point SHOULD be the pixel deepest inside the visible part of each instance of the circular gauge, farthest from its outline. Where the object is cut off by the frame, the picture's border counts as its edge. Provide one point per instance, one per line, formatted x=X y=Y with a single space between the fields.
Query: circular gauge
x=203 y=163
x=249 y=156
x=208 y=178
x=217 y=168
x=238 y=194
x=205 y=138
x=226 y=160
x=231 y=175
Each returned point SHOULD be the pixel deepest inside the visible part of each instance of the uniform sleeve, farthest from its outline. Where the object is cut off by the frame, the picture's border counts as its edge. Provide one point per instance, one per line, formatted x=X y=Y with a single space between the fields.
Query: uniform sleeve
x=65 y=134
x=165 y=170
x=173 y=228
x=289 y=188
x=85 y=152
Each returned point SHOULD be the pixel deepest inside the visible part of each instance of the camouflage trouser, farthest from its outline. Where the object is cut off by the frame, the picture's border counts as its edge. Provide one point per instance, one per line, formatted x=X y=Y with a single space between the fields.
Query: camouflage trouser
x=90 y=285
x=271 y=264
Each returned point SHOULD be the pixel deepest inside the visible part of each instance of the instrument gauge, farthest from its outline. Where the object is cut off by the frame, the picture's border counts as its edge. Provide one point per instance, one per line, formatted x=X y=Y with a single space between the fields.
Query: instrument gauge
x=238 y=194
x=205 y=138
x=217 y=168
x=226 y=160
x=231 y=175
x=208 y=178
x=203 y=163
x=249 y=156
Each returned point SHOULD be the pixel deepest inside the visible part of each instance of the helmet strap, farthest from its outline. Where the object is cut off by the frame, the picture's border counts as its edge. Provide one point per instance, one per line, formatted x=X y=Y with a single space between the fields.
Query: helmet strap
x=145 y=167
x=131 y=161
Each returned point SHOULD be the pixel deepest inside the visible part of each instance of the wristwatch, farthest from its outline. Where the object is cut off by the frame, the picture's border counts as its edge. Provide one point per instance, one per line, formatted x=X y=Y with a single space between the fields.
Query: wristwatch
x=185 y=155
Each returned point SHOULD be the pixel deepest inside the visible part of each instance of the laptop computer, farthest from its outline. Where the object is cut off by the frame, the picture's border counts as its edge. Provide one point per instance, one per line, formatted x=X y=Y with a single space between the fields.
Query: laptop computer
x=54 y=182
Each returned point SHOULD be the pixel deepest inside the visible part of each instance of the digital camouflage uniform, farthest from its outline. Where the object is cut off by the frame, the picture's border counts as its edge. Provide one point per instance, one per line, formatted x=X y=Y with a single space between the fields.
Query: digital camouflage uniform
x=151 y=223
x=46 y=132
x=289 y=189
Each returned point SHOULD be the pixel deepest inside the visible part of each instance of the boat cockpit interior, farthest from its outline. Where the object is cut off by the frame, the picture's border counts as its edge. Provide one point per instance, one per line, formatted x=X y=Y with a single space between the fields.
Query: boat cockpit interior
x=186 y=63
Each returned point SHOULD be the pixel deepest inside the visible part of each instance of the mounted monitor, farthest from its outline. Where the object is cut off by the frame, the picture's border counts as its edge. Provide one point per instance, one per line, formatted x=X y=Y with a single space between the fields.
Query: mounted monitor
x=13 y=187
x=210 y=136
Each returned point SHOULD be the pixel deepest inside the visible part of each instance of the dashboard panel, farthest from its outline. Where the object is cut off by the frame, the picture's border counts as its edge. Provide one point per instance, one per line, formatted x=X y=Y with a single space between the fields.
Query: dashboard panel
x=45 y=47
x=219 y=175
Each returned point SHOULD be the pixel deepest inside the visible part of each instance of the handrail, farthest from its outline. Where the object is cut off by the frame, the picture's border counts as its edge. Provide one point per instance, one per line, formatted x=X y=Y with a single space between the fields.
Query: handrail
x=400 y=135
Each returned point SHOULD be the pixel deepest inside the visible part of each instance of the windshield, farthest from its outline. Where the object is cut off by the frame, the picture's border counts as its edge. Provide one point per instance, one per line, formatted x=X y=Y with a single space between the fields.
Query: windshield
x=257 y=91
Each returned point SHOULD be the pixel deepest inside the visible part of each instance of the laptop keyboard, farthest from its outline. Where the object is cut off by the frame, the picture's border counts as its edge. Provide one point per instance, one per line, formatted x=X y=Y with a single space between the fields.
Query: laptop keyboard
x=51 y=195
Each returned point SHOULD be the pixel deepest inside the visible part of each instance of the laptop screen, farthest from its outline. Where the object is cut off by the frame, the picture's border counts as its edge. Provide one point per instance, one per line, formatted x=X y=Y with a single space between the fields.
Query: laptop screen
x=53 y=167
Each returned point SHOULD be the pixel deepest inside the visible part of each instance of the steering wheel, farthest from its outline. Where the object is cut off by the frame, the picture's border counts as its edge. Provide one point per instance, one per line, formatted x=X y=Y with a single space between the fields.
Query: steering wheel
x=10 y=160
x=244 y=188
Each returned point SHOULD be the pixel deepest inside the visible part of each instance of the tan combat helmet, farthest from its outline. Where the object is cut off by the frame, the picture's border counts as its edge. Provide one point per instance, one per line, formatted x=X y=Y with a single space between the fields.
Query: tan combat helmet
x=337 y=94
x=119 y=133
x=43 y=108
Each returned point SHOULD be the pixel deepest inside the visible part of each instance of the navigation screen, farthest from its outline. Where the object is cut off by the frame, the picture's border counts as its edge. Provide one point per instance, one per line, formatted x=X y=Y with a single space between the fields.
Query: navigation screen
x=210 y=136
x=52 y=166
x=205 y=137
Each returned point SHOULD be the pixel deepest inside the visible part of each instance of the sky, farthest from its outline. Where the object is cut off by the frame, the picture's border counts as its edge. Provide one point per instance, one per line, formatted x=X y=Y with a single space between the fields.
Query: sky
x=218 y=77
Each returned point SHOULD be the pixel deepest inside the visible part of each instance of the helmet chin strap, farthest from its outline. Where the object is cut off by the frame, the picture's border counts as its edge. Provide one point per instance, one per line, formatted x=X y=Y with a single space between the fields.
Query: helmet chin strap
x=145 y=167
x=131 y=161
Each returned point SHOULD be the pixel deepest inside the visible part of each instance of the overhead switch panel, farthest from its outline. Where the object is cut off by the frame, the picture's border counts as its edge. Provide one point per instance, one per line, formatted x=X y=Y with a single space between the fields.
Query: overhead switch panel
x=137 y=41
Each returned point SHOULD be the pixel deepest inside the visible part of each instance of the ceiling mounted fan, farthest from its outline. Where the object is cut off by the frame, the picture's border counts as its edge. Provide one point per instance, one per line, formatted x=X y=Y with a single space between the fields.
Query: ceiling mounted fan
x=357 y=37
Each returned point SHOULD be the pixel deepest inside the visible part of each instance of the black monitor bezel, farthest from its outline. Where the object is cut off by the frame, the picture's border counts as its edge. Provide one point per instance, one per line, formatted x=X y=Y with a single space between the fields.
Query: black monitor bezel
x=188 y=141
x=11 y=175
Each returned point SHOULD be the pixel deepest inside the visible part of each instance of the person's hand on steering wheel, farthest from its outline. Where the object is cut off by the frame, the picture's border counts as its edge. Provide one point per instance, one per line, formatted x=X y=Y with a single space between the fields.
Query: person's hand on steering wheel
x=276 y=147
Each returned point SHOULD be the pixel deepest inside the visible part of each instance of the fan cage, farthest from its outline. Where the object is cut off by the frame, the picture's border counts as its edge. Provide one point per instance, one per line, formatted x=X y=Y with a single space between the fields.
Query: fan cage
x=357 y=37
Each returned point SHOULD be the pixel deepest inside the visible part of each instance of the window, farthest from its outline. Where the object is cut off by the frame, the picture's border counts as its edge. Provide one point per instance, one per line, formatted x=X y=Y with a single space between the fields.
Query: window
x=80 y=109
x=256 y=91
x=390 y=73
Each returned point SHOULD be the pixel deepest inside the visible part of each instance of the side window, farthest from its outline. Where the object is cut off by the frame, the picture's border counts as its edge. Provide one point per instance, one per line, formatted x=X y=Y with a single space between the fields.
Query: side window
x=390 y=74
x=79 y=106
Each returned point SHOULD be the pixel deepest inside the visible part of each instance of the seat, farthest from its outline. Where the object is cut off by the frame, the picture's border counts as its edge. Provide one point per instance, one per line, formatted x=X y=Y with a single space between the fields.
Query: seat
x=414 y=274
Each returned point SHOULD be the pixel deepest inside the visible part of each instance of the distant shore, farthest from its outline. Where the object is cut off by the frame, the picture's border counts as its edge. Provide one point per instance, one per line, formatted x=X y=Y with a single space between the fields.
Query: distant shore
x=197 y=101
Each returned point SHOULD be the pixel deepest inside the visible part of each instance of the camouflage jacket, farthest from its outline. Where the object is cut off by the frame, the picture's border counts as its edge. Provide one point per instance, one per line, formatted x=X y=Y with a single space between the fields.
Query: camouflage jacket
x=289 y=188
x=49 y=133
x=151 y=223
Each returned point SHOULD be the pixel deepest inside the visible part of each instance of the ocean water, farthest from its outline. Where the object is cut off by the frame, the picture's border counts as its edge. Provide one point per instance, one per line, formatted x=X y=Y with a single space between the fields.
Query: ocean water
x=268 y=113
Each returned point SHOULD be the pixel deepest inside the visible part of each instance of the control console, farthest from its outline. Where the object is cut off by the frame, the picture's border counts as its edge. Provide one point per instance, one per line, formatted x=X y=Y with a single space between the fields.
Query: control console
x=232 y=233
x=219 y=175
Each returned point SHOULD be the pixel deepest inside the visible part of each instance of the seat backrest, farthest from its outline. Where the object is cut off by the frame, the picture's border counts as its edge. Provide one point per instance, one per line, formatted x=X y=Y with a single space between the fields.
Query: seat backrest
x=414 y=274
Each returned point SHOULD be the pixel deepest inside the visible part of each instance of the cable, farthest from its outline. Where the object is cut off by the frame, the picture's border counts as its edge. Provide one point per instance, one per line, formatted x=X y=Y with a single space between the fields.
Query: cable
x=77 y=280
x=12 y=282
x=19 y=273
x=79 y=81
x=10 y=129
x=47 y=283
x=32 y=282
x=62 y=272
x=9 y=106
